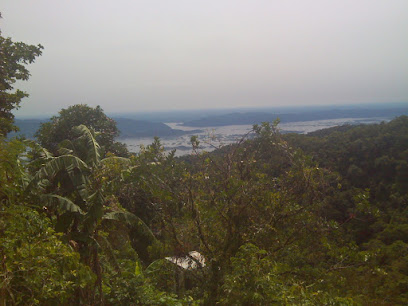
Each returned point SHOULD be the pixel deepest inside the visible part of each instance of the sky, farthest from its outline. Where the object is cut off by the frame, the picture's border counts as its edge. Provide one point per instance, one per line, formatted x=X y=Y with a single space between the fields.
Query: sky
x=135 y=55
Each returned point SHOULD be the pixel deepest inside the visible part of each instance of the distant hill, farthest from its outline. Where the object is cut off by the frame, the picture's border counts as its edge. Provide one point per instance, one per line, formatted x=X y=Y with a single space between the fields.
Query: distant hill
x=131 y=128
x=128 y=128
x=244 y=118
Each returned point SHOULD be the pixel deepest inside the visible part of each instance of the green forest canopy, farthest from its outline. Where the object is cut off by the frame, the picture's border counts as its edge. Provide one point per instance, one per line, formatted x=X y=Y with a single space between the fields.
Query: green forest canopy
x=297 y=219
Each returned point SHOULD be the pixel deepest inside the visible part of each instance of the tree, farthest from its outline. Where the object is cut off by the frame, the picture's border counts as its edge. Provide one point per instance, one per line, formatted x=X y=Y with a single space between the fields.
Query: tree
x=35 y=266
x=72 y=188
x=60 y=128
x=14 y=56
x=258 y=192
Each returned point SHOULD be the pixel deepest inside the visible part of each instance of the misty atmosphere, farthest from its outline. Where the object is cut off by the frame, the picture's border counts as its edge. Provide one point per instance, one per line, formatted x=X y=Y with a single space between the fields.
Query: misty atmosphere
x=203 y=152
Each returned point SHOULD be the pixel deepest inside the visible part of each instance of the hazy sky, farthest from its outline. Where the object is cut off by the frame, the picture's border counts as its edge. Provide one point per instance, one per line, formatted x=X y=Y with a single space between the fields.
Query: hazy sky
x=130 y=55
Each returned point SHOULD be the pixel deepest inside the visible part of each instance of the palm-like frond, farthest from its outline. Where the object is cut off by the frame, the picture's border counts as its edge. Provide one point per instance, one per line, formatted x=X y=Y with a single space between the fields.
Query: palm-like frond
x=95 y=212
x=64 y=151
x=132 y=221
x=61 y=203
x=66 y=147
x=41 y=151
x=92 y=147
x=66 y=163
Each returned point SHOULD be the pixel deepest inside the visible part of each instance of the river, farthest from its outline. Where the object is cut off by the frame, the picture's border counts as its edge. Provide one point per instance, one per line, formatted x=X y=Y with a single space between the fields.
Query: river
x=215 y=137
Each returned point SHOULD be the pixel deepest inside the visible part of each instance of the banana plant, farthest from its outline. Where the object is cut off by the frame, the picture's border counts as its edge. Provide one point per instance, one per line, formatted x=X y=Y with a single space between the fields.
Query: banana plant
x=69 y=188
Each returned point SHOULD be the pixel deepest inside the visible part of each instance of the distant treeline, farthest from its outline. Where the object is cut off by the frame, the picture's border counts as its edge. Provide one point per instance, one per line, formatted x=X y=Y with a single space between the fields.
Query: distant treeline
x=258 y=117
x=129 y=128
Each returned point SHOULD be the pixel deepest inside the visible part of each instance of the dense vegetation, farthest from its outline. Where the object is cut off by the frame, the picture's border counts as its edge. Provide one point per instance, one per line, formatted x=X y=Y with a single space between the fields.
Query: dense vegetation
x=60 y=128
x=273 y=224
x=294 y=219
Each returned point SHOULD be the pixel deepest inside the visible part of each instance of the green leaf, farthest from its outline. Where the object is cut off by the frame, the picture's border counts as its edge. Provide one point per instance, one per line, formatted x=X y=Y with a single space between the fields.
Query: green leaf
x=133 y=221
x=93 y=148
x=61 y=203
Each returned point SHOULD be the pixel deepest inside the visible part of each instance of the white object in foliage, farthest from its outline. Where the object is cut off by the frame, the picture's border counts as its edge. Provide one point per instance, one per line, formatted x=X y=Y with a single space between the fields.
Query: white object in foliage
x=191 y=261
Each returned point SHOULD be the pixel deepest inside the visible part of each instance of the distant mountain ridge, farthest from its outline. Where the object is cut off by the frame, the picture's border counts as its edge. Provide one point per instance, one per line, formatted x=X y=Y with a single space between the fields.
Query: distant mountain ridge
x=128 y=128
x=135 y=128
x=258 y=117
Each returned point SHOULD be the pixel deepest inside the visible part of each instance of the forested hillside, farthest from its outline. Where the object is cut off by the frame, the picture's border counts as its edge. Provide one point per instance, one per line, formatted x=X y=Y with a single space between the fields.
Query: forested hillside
x=304 y=115
x=296 y=219
x=128 y=128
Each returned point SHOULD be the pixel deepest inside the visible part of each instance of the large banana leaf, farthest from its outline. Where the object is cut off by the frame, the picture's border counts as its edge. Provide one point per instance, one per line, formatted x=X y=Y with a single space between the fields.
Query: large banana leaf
x=66 y=163
x=93 y=149
x=61 y=203
x=79 y=182
x=66 y=147
x=43 y=152
x=132 y=221
x=95 y=212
